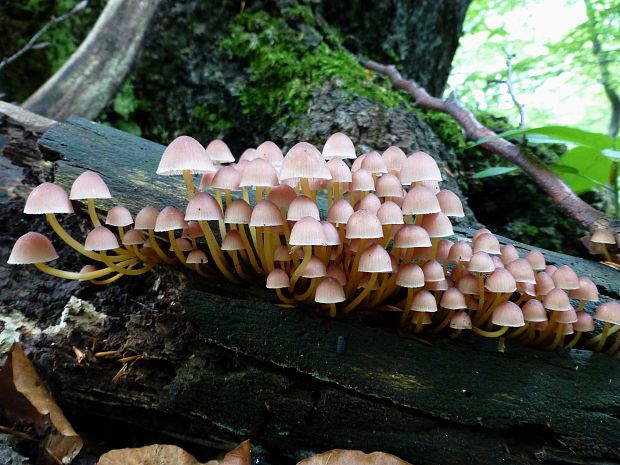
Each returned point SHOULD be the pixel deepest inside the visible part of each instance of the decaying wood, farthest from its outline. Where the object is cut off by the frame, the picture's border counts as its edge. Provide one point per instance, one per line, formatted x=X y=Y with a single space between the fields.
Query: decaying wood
x=86 y=83
x=272 y=374
x=563 y=196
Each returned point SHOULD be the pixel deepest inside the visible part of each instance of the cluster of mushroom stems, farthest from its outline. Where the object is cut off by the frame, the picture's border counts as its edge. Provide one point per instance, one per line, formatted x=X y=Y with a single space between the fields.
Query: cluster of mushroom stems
x=334 y=231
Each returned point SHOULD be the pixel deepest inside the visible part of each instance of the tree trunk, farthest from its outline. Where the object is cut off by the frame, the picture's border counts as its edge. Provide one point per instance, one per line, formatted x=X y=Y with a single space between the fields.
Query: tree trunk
x=93 y=74
x=418 y=36
x=222 y=363
x=422 y=35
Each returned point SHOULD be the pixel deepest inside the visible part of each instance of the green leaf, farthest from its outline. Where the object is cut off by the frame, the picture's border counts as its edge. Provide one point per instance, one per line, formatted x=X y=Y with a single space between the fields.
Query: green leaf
x=484 y=140
x=555 y=134
x=495 y=171
x=559 y=169
x=591 y=166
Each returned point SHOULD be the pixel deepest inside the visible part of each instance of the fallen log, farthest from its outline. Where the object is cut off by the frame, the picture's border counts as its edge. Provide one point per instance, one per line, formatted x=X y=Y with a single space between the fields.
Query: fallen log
x=222 y=363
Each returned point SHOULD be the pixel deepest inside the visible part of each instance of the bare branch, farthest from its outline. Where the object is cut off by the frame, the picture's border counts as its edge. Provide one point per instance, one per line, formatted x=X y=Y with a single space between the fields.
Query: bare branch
x=32 y=43
x=511 y=92
x=563 y=196
x=509 y=84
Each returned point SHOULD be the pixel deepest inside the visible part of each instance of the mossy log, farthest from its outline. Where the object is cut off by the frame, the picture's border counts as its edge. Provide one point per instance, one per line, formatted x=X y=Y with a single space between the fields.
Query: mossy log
x=223 y=363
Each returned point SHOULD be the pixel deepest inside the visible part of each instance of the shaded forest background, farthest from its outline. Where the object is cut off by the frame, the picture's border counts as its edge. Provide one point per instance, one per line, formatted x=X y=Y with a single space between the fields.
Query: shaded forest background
x=248 y=72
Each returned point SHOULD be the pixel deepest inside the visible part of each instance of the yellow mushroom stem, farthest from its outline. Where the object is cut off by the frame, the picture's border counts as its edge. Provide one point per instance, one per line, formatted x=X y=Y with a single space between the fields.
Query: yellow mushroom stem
x=338 y=188
x=101 y=282
x=549 y=329
x=341 y=233
x=558 y=337
x=582 y=305
x=353 y=273
x=218 y=198
x=140 y=255
x=259 y=194
x=237 y=264
x=80 y=276
x=93 y=213
x=228 y=194
x=574 y=340
x=594 y=340
x=268 y=249
x=189 y=184
x=434 y=247
x=308 y=295
x=483 y=318
x=242 y=253
x=362 y=295
x=121 y=234
x=220 y=223
x=520 y=331
x=615 y=346
x=481 y=291
x=456 y=334
x=302 y=266
x=418 y=319
x=605 y=252
x=601 y=342
x=75 y=245
x=305 y=188
x=160 y=253
x=376 y=296
x=245 y=193
x=418 y=219
x=391 y=287
x=119 y=269
x=177 y=251
x=445 y=322
x=411 y=292
x=387 y=232
x=249 y=250
x=216 y=252
x=283 y=298
x=332 y=310
x=408 y=255
x=498 y=333
x=259 y=246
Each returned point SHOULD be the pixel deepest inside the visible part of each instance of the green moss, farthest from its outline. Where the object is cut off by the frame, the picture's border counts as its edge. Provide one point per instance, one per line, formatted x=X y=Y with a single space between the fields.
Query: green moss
x=445 y=127
x=288 y=58
x=209 y=116
x=122 y=110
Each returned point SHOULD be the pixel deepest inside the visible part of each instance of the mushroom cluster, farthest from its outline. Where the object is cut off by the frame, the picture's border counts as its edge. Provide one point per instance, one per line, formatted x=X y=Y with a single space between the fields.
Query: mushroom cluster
x=379 y=242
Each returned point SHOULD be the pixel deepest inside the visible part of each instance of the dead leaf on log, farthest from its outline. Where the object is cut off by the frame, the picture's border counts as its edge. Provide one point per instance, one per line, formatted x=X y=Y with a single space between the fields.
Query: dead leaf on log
x=25 y=399
x=160 y=454
x=242 y=455
x=156 y=454
x=352 y=457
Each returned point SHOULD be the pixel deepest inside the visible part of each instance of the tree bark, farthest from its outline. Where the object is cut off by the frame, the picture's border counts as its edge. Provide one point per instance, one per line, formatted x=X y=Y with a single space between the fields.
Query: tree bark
x=419 y=36
x=222 y=363
x=93 y=74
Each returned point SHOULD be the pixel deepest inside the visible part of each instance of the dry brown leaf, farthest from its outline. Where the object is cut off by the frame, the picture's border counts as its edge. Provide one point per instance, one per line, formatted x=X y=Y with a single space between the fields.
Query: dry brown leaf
x=242 y=455
x=26 y=399
x=352 y=457
x=159 y=454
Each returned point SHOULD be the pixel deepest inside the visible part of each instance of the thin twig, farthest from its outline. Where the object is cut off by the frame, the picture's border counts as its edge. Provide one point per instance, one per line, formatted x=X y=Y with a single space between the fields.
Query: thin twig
x=32 y=43
x=562 y=195
x=510 y=87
